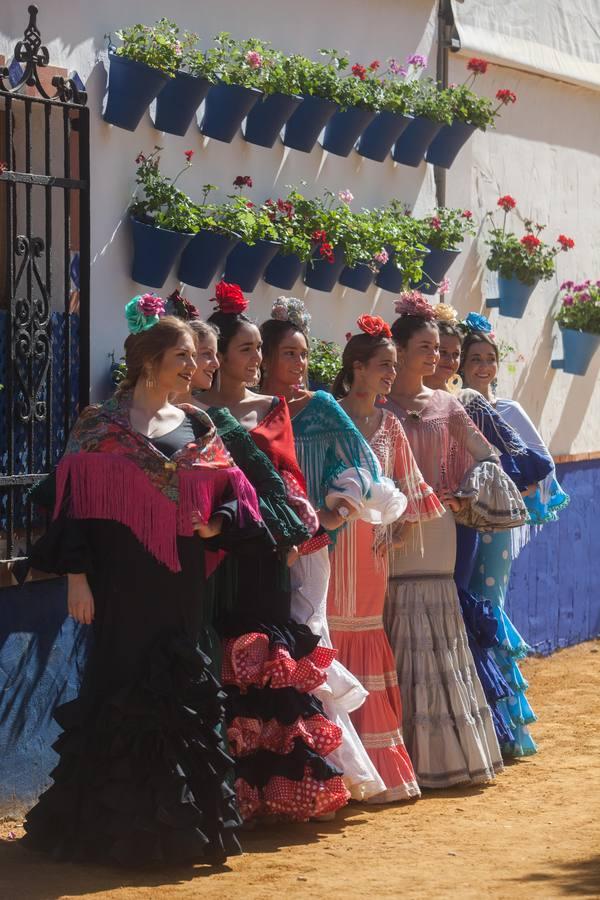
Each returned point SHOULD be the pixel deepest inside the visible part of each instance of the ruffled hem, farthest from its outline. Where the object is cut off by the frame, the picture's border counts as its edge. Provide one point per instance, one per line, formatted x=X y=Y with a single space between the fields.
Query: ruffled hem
x=521 y=745
x=249 y=735
x=495 y=501
x=510 y=641
x=395 y=768
x=142 y=774
x=250 y=661
x=292 y=801
x=423 y=508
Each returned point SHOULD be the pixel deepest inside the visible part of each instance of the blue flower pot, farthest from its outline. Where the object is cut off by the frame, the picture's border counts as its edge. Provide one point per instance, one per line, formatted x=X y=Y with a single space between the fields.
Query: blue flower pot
x=359 y=278
x=436 y=265
x=446 y=146
x=267 y=118
x=246 y=263
x=204 y=257
x=344 y=129
x=178 y=101
x=132 y=86
x=412 y=145
x=321 y=275
x=225 y=108
x=306 y=124
x=578 y=349
x=390 y=277
x=513 y=296
x=154 y=252
x=380 y=136
x=284 y=270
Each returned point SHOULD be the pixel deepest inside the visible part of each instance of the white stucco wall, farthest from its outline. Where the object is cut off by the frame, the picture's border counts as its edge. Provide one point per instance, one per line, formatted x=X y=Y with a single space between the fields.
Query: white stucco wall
x=544 y=152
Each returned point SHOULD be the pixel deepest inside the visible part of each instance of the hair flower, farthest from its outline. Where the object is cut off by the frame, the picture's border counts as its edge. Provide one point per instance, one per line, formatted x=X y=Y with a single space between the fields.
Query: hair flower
x=230 y=298
x=180 y=306
x=290 y=309
x=477 y=322
x=374 y=326
x=413 y=303
x=143 y=311
x=444 y=312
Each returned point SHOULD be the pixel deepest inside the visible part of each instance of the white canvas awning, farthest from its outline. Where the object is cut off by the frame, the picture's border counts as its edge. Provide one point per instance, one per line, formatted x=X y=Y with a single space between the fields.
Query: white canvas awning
x=557 y=38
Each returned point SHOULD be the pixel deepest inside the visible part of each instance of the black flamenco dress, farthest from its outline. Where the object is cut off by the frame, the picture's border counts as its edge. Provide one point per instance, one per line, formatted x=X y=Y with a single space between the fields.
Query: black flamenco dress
x=278 y=732
x=143 y=771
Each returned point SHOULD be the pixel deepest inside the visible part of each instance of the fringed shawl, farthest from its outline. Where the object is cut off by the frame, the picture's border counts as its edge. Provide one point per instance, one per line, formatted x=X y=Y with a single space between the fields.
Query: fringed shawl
x=327 y=442
x=110 y=471
x=274 y=436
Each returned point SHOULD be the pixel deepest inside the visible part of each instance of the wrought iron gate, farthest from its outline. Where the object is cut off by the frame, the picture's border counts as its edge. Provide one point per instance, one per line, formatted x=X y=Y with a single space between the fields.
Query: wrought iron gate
x=44 y=306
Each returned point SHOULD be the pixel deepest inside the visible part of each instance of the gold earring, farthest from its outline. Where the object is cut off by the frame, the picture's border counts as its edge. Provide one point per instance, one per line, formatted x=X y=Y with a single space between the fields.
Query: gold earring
x=150 y=382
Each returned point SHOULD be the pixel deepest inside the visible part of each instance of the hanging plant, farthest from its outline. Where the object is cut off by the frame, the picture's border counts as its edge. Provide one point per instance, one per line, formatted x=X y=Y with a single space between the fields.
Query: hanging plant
x=526 y=258
x=446 y=228
x=159 y=46
x=157 y=201
x=580 y=306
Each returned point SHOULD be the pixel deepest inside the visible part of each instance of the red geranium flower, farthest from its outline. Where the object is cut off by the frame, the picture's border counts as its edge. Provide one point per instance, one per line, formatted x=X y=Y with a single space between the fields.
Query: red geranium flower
x=505 y=96
x=229 y=298
x=479 y=66
x=359 y=71
x=435 y=223
x=242 y=181
x=326 y=251
x=374 y=65
x=374 y=325
x=319 y=236
x=530 y=242
x=250 y=204
x=507 y=202
x=140 y=158
x=467 y=214
x=188 y=155
x=565 y=242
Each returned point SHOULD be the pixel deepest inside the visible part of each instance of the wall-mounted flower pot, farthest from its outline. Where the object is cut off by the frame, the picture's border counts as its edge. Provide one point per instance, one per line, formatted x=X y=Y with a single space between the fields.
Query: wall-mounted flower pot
x=225 y=108
x=246 y=263
x=447 y=144
x=284 y=270
x=322 y=275
x=204 y=257
x=435 y=267
x=578 y=349
x=132 y=86
x=380 y=136
x=344 y=129
x=268 y=116
x=359 y=278
x=413 y=143
x=390 y=277
x=513 y=296
x=154 y=252
x=178 y=101
x=306 y=124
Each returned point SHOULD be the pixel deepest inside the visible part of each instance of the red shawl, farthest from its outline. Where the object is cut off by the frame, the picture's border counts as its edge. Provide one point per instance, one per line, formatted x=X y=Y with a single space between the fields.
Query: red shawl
x=275 y=437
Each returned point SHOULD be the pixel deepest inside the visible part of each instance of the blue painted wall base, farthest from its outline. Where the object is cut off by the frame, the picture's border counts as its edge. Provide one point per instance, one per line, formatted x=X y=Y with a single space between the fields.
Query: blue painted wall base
x=554 y=599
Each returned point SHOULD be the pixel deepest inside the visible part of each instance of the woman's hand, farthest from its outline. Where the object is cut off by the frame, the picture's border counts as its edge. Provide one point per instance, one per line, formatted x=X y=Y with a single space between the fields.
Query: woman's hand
x=80 y=600
x=455 y=504
x=209 y=529
x=331 y=519
x=292 y=556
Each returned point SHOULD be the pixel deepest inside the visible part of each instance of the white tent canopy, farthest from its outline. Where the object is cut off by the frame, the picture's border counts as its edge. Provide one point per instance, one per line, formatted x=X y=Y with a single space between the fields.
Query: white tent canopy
x=557 y=38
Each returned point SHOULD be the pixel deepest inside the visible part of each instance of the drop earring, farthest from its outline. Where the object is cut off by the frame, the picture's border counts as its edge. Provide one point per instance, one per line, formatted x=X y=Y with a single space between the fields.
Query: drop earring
x=150 y=382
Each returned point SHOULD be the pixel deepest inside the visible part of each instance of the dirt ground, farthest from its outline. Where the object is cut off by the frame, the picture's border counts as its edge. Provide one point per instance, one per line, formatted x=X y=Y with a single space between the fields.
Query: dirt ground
x=533 y=834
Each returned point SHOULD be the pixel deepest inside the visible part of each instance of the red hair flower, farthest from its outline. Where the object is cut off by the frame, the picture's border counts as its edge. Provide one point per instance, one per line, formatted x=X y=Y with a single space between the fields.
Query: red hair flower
x=507 y=202
x=242 y=181
x=478 y=66
x=229 y=298
x=565 y=242
x=413 y=303
x=188 y=155
x=359 y=71
x=505 y=96
x=374 y=326
x=530 y=242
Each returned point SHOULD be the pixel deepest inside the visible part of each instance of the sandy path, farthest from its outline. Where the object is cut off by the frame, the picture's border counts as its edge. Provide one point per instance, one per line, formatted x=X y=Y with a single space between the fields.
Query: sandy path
x=534 y=834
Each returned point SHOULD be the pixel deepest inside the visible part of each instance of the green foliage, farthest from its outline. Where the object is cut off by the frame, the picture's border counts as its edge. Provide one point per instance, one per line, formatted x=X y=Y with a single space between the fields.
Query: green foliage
x=157 y=201
x=324 y=361
x=399 y=233
x=446 y=228
x=429 y=101
x=580 y=307
x=159 y=45
x=527 y=258
x=467 y=106
x=319 y=79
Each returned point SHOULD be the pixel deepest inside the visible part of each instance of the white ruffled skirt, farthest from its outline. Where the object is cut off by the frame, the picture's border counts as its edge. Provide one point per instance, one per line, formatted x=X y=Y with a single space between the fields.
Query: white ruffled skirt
x=342 y=693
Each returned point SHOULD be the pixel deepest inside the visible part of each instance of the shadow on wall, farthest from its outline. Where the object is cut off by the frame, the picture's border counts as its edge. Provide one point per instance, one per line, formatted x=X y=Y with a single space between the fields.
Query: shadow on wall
x=536 y=371
x=576 y=404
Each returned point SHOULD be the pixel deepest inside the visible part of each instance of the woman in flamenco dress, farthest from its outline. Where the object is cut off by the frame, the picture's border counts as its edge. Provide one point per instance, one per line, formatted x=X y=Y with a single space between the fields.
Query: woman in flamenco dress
x=359 y=575
x=496 y=552
x=280 y=737
x=143 y=771
x=526 y=467
x=327 y=443
x=449 y=728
